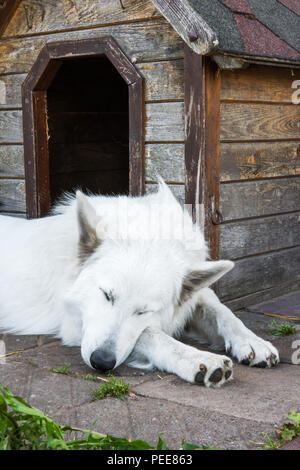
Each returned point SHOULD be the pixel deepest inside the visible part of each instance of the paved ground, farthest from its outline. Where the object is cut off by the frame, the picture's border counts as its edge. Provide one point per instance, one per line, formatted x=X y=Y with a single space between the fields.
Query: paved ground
x=256 y=401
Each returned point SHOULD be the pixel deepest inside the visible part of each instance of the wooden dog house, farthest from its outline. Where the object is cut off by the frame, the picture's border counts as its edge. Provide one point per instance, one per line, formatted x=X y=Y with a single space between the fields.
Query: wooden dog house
x=104 y=95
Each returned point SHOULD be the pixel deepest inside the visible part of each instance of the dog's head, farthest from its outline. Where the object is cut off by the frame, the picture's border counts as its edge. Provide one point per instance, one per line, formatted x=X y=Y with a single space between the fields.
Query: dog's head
x=125 y=286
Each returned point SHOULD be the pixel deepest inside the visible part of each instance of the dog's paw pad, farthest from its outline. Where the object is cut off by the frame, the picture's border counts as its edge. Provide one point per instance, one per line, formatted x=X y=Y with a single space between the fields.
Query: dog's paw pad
x=216 y=376
x=261 y=364
x=246 y=361
x=210 y=376
x=199 y=379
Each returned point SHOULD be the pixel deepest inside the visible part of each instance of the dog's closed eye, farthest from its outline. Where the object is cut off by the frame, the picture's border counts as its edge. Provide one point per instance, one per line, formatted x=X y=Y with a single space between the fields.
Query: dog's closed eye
x=108 y=295
x=141 y=312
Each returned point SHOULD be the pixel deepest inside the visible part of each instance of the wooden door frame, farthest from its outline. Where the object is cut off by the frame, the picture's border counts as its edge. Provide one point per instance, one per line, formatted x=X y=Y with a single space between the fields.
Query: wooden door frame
x=35 y=127
x=202 y=144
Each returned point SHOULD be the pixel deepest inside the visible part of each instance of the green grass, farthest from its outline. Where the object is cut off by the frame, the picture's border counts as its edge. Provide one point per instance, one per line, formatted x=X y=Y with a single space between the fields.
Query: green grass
x=23 y=427
x=30 y=362
x=284 y=434
x=112 y=388
x=61 y=370
x=283 y=329
x=92 y=377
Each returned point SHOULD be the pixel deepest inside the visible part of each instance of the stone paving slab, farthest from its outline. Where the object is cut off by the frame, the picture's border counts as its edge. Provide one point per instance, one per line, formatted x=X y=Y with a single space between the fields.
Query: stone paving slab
x=292 y=445
x=232 y=417
x=54 y=356
x=15 y=378
x=24 y=342
x=287 y=305
x=177 y=421
x=146 y=418
x=263 y=395
x=108 y=416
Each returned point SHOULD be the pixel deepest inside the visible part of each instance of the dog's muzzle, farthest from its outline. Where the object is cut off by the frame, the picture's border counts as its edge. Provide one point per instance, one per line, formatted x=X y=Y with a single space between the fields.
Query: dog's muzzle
x=102 y=360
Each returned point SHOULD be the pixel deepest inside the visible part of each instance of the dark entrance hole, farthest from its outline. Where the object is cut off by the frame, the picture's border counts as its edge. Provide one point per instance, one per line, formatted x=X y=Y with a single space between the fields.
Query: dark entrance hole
x=88 y=128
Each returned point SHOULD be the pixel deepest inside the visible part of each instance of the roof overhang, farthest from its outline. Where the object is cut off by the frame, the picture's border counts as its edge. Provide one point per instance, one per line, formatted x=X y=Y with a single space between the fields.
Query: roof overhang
x=229 y=61
x=189 y=25
x=202 y=39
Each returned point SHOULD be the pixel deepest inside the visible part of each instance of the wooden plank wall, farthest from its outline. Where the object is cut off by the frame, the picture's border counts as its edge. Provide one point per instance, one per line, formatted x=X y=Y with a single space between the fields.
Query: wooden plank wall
x=148 y=40
x=259 y=180
x=260 y=131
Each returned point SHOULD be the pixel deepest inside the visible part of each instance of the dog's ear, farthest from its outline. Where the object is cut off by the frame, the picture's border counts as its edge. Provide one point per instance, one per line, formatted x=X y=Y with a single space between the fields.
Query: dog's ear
x=164 y=191
x=87 y=222
x=208 y=273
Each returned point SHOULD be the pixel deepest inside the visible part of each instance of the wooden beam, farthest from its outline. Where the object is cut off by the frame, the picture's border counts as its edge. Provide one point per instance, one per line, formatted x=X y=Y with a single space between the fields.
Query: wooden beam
x=7 y=9
x=190 y=26
x=212 y=155
x=194 y=133
x=202 y=144
x=229 y=63
x=136 y=138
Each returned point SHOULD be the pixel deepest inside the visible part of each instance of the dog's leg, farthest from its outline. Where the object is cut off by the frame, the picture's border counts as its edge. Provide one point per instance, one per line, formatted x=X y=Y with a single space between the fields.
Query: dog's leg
x=219 y=323
x=71 y=330
x=163 y=352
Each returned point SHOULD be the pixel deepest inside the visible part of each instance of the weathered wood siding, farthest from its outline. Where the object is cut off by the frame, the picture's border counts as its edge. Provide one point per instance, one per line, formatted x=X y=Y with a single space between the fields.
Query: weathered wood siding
x=148 y=40
x=44 y=16
x=259 y=180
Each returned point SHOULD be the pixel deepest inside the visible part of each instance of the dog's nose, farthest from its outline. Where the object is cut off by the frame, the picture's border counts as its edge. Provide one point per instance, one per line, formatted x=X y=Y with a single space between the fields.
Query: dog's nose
x=102 y=360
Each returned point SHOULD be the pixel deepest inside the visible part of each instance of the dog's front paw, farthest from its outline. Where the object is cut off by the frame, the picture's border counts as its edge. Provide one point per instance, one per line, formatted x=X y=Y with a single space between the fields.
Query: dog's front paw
x=214 y=371
x=253 y=351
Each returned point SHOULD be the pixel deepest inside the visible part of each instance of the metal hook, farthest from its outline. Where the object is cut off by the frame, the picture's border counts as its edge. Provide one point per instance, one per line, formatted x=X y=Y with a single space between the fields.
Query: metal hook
x=216 y=217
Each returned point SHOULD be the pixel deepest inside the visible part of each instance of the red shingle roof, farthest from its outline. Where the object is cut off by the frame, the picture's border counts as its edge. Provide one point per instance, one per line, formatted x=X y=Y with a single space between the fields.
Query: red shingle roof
x=260 y=41
x=261 y=28
x=238 y=5
x=293 y=5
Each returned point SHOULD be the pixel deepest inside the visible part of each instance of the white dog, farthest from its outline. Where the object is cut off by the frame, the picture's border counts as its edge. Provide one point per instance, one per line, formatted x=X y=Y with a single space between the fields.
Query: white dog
x=122 y=277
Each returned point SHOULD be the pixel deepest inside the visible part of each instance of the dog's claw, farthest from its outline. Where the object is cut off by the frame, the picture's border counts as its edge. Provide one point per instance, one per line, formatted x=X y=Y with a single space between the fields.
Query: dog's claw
x=247 y=361
x=273 y=360
x=252 y=354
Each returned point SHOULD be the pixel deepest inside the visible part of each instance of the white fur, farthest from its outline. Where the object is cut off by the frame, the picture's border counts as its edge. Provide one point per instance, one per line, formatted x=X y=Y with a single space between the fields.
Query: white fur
x=142 y=258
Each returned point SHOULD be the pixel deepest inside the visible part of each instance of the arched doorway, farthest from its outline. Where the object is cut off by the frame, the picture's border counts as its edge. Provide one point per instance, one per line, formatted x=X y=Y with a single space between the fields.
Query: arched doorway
x=83 y=123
